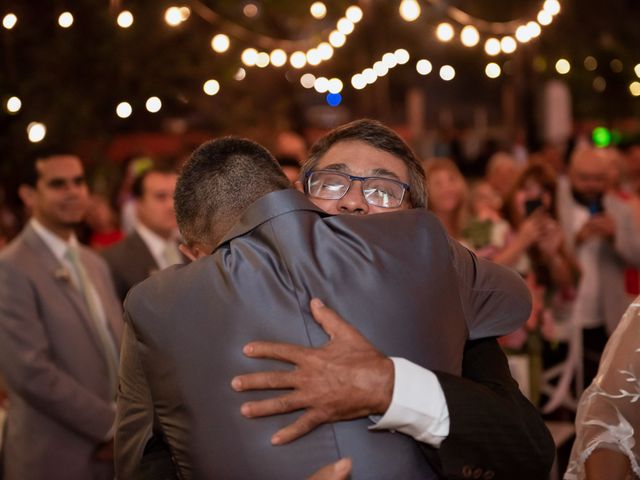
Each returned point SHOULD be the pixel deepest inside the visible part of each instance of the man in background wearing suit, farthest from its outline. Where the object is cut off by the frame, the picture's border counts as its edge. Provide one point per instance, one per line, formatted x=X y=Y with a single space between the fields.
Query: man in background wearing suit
x=60 y=329
x=153 y=245
x=259 y=280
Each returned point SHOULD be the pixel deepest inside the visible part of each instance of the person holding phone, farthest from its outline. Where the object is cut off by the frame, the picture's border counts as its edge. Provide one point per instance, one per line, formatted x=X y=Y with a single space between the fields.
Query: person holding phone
x=603 y=234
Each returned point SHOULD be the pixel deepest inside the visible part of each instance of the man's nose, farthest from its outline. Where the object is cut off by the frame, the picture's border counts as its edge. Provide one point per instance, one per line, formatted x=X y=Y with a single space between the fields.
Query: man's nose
x=353 y=201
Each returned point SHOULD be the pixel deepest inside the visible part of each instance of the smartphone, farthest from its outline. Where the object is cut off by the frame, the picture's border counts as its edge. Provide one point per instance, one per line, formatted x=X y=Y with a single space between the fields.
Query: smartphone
x=532 y=205
x=596 y=206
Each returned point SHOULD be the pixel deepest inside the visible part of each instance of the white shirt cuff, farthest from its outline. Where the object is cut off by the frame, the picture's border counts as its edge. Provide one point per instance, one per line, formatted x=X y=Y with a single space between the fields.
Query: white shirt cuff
x=418 y=407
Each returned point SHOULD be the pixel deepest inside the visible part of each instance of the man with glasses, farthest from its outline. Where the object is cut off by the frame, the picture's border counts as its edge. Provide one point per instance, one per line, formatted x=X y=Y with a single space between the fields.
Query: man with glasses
x=478 y=422
x=275 y=250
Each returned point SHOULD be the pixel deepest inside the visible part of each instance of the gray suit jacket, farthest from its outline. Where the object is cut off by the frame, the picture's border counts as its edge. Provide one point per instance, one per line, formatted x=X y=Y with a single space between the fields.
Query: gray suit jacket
x=396 y=277
x=130 y=262
x=57 y=377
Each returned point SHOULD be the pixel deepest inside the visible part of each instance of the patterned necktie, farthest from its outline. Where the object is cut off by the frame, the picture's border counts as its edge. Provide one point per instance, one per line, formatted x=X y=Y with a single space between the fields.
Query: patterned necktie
x=98 y=321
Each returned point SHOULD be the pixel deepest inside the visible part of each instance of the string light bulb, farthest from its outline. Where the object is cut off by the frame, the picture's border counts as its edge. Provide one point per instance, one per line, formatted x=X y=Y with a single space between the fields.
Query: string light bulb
x=325 y=50
x=469 y=36
x=262 y=60
x=345 y=26
x=637 y=70
x=124 y=110
x=522 y=34
x=337 y=39
x=65 y=20
x=278 y=57
x=354 y=14
x=9 y=21
x=358 y=82
x=508 y=44
x=544 y=17
x=125 y=19
x=153 y=104
x=563 y=66
x=249 y=57
x=409 y=10
x=172 y=16
x=534 y=29
x=447 y=73
x=36 y=132
x=552 y=7
x=313 y=57
x=307 y=80
x=492 y=46
x=634 y=88
x=334 y=85
x=492 y=70
x=318 y=10
x=298 y=59
x=444 y=32
x=220 y=43
x=13 y=105
x=402 y=56
x=211 y=87
x=424 y=67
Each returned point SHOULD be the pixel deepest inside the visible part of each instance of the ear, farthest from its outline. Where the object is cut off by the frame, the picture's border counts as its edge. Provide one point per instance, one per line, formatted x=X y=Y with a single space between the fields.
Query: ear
x=298 y=186
x=27 y=195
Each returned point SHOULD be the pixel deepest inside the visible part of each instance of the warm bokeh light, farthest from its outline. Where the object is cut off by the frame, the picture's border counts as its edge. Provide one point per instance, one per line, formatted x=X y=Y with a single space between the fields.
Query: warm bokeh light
x=337 y=39
x=250 y=10
x=447 y=72
x=9 y=21
x=389 y=60
x=36 y=132
x=599 y=84
x=335 y=85
x=13 y=105
x=534 y=30
x=637 y=70
x=590 y=63
x=552 y=7
x=313 y=57
x=369 y=75
x=298 y=59
x=469 y=36
x=278 y=57
x=354 y=13
x=125 y=19
x=325 y=50
x=345 y=26
x=220 y=43
x=358 y=82
x=634 y=88
x=492 y=46
x=65 y=20
x=563 y=66
x=424 y=67
x=544 y=17
x=307 y=80
x=240 y=74
x=616 y=65
x=249 y=57
x=444 y=32
x=124 y=110
x=402 y=56
x=211 y=87
x=380 y=68
x=318 y=10
x=153 y=104
x=522 y=34
x=409 y=10
x=262 y=60
x=172 y=16
x=508 y=44
x=321 y=85
x=493 y=70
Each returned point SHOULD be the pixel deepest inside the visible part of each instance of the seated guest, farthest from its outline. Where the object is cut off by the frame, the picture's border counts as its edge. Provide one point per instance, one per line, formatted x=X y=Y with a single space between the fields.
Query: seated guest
x=153 y=245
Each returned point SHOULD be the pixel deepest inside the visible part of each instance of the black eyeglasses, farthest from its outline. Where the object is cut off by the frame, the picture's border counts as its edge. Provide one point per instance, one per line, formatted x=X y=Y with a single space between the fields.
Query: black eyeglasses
x=378 y=191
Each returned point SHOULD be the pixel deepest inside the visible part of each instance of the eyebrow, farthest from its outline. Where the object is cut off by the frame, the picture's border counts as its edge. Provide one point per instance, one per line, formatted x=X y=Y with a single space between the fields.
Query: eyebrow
x=376 y=172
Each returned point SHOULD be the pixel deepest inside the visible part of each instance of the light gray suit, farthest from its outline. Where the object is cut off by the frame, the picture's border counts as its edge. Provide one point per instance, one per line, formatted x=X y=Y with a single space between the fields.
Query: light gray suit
x=407 y=287
x=60 y=408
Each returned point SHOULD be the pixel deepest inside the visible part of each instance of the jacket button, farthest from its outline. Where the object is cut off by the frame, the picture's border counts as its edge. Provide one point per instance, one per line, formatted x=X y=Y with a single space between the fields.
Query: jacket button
x=467 y=472
x=488 y=475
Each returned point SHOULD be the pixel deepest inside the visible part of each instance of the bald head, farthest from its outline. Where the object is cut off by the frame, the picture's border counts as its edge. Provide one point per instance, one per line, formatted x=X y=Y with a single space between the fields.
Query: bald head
x=588 y=171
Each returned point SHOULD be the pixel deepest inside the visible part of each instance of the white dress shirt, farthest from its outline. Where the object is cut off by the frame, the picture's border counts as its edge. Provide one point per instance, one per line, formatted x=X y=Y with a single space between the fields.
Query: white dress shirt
x=418 y=406
x=157 y=245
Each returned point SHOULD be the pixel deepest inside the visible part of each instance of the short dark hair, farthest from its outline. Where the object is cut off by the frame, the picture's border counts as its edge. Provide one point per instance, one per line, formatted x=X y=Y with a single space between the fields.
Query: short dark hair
x=219 y=181
x=28 y=171
x=137 y=188
x=378 y=136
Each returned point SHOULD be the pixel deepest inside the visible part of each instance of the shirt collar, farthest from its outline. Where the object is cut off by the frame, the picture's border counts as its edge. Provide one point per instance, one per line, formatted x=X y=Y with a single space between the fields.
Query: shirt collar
x=156 y=244
x=56 y=244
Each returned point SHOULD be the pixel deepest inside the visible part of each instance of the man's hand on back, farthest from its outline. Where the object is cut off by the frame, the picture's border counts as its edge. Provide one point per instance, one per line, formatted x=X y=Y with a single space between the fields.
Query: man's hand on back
x=344 y=379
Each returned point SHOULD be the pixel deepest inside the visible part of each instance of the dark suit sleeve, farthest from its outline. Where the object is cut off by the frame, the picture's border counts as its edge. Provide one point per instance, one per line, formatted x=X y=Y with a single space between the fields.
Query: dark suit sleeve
x=493 y=427
x=140 y=450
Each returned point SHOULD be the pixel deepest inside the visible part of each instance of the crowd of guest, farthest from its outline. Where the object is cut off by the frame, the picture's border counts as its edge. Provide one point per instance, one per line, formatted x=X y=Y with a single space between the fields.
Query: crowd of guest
x=570 y=228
